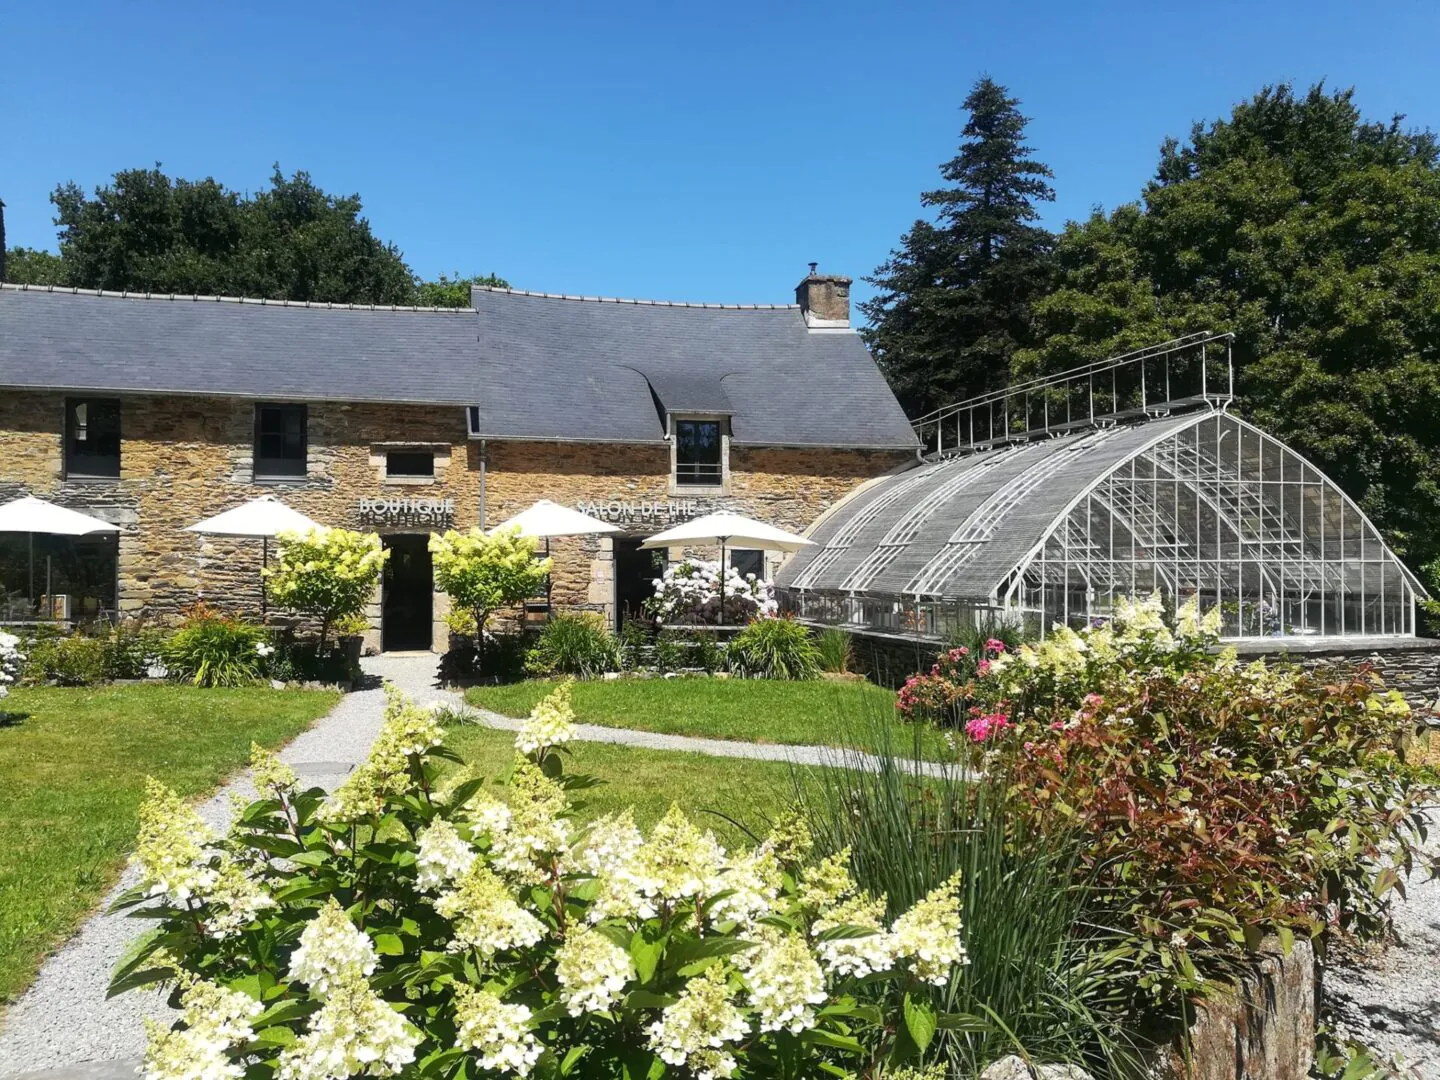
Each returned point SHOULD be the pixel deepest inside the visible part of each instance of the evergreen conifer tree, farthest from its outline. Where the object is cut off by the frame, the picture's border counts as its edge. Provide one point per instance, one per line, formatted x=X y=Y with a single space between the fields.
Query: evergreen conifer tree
x=953 y=301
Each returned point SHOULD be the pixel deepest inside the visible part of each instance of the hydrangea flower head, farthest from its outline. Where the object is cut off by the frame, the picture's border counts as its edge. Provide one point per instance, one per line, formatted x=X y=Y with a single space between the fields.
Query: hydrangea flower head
x=592 y=971
x=442 y=856
x=857 y=956
x=272 y=776
x=928 y=935
x=235 y=900
x=752 y=880
x=609 y=845
x=486 y=917
x=785 y=982
x=791 y=839
x=698 y=1028
x=497 y=1032
x=551 y=723
x=331 y=951
x=355 y=1032
x=827 y=882
x=215 y=1020
x=537 y=829
x=678 y=861
x=170 y=847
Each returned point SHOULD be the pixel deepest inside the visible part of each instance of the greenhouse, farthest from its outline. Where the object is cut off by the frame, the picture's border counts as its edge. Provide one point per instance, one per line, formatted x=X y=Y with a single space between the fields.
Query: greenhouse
x=1045 y=503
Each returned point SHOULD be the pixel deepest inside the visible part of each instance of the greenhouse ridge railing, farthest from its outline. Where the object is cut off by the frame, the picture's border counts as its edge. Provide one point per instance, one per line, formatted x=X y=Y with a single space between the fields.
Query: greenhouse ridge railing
x=1194 y=371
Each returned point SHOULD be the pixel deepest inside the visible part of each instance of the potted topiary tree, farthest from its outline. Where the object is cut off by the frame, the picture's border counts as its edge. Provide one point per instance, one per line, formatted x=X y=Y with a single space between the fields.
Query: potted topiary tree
x=485 y=572
x=328 y=574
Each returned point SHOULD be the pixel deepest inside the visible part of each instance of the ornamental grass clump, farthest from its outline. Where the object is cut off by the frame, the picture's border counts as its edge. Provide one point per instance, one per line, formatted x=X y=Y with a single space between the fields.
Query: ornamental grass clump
x=328 y=574
x=409 y=926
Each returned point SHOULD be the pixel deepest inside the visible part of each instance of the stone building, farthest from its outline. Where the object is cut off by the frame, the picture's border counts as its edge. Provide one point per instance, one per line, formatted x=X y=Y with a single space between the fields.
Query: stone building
x=156 y=411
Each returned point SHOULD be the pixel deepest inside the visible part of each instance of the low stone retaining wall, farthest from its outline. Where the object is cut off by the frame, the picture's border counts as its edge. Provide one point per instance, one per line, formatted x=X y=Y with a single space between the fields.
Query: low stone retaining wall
x=1265 y=1030
x=1410 y=665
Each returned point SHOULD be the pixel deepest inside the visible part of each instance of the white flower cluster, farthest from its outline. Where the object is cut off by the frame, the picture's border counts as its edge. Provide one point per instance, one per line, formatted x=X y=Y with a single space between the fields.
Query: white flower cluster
x=407 y=730
x=928 y=935
x=442 y=856
x=861 y=955
x=698 y=1028
x=678 y=862
x=355 y=1032
x=331 y=951
x=609 y=844
x=551 y=723
x=215 y=1019
x=170 y=847
x=236 y=900
x=751 y=883
x=10 y=660
x=689 y=592
x=174 y=863
x=785 y=982
x=498 y=1032
x=537 y=831
x=272 y=776
x=592 y=971
x=486 y=917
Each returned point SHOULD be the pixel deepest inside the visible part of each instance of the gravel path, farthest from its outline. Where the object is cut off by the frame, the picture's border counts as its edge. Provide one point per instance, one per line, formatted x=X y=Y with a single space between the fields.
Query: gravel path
x=1390 y=999
x=63 y=1022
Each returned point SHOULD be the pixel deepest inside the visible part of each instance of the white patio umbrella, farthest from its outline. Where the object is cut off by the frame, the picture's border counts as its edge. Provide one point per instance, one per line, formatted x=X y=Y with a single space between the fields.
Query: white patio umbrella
x=727 y=529
x=31 y=515
x=546 y=519
x=260 y=519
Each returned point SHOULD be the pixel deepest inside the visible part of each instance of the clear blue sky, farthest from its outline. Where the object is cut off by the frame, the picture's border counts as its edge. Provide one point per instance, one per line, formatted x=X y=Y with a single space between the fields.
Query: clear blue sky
x=678 y=151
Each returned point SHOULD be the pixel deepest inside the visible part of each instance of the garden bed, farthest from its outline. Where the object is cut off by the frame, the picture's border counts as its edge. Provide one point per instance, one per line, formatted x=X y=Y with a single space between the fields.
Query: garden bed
x=73 y=764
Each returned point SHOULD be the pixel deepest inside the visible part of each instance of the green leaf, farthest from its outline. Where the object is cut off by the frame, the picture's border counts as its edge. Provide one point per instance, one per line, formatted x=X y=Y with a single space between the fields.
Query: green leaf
x=919 y=1021
x=646 y=954
x=571 y=1059
x=648 y=999
x=389 y=945
x=821 y=1037
x=285 y=1012
x=139 y=977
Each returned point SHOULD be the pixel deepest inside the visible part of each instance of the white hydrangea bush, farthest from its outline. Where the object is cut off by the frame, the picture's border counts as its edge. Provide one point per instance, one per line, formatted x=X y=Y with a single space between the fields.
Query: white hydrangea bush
x=420 y=921
x=688 y=594
x=10 y=660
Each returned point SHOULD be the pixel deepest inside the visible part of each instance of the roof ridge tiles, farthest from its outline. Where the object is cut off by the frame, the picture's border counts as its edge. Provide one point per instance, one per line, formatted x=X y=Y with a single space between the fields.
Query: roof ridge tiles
x=258 y=301
x=641 y=302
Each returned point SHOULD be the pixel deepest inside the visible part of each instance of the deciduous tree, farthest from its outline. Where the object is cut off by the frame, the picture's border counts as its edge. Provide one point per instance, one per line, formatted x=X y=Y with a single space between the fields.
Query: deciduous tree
x=1314 y=235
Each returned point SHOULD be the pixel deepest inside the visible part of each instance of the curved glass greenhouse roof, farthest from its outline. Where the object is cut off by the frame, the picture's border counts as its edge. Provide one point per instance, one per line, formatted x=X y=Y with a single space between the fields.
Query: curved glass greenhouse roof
x=1056 y=529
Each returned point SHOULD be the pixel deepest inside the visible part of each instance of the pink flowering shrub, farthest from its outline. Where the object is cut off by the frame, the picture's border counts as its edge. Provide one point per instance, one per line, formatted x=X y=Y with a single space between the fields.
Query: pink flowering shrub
x=943 y=695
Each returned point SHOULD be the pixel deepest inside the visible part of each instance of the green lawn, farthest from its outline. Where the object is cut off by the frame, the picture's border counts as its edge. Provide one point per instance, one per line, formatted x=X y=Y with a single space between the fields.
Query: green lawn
x=72 y=772
x=710 y=788
x=821 y=713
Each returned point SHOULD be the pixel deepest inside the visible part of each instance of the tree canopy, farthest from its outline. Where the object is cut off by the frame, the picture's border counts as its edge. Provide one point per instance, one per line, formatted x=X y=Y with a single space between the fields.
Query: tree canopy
x=953 y=301
x=148 y=232
x=1314 y=236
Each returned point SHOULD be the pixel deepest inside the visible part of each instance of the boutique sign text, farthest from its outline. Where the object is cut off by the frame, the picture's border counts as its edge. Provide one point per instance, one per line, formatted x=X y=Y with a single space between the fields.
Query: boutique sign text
x=406 y=511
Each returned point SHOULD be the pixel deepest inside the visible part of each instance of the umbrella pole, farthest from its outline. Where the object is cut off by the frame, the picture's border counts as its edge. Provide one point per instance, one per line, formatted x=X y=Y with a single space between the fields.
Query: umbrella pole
x=264 y=562
x=31 y=590
x=549 y=582
x=722 y=581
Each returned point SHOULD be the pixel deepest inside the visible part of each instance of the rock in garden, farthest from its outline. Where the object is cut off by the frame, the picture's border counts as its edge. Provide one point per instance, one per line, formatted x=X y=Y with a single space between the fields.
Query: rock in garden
x=1016 y=1068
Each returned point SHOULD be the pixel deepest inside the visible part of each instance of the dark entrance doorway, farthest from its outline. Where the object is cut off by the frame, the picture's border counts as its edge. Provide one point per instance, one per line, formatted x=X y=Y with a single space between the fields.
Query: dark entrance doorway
x=635 y=574
x=407 y=593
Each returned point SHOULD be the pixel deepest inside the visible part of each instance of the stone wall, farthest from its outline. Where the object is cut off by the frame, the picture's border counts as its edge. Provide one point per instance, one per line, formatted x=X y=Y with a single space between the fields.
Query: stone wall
x=186 y=458
x=1262 y=1029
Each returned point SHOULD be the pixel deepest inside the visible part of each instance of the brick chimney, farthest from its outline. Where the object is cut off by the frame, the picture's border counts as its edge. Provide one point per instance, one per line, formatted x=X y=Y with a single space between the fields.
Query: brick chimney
x=824 y=300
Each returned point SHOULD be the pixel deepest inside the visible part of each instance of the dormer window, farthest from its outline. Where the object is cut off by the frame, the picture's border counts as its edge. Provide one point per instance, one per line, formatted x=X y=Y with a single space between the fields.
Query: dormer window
x=699 y=454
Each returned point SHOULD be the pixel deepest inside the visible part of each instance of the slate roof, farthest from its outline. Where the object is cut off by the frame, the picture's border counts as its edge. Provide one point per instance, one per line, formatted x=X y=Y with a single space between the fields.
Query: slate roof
x=538 y=366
